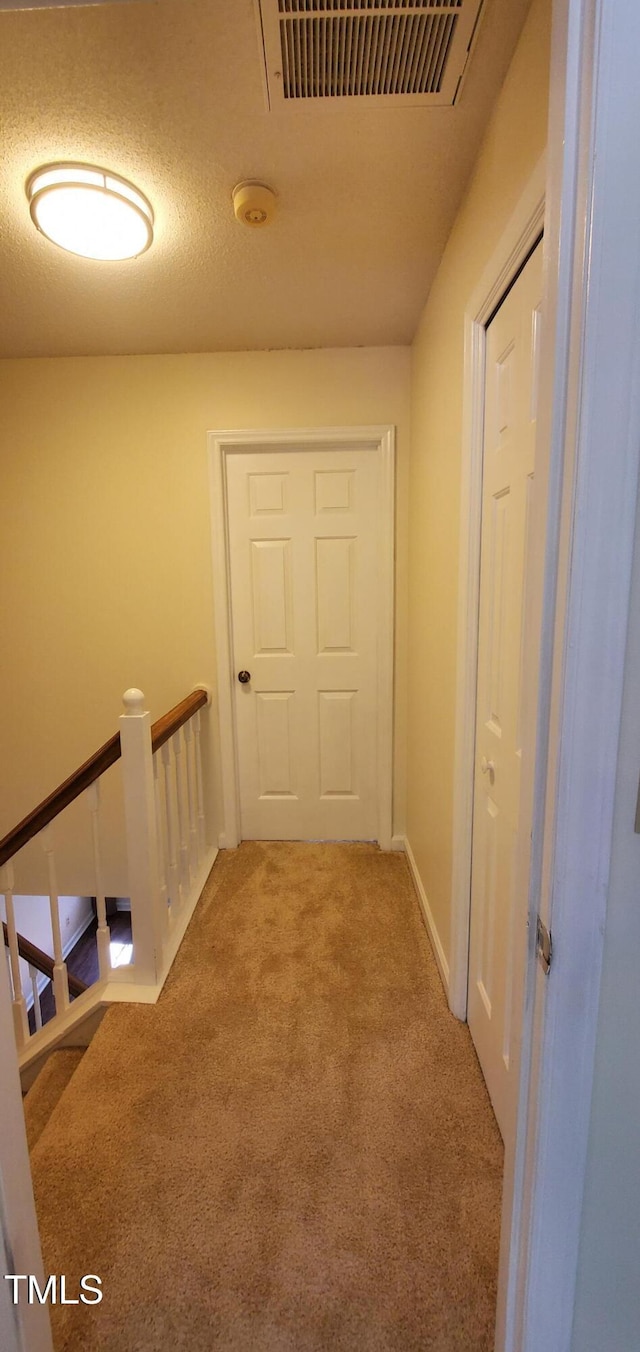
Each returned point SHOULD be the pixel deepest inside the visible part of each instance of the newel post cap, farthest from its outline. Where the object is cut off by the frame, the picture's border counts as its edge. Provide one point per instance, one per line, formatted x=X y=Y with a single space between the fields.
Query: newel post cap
x=133 y=701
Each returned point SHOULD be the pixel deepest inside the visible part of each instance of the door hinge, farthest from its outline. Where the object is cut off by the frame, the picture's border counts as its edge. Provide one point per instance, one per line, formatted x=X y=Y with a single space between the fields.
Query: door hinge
x=544 y=946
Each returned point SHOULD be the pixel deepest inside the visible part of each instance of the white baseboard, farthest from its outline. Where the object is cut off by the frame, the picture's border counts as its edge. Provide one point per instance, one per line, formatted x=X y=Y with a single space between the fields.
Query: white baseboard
x=436 y=943
x=398 y=843
x=77 y=934
x=129 y=992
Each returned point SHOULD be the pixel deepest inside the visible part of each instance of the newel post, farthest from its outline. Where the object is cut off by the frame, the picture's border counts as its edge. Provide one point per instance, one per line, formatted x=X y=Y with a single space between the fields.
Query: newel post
x=141 y=830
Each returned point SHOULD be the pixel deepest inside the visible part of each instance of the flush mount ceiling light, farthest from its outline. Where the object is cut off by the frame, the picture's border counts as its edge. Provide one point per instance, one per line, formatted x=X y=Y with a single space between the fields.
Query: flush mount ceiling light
x=90 y=211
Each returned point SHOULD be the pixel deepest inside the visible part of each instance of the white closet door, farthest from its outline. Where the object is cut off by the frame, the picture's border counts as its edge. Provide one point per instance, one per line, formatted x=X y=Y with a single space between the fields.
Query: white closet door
x=303 y=565
x=498 y=916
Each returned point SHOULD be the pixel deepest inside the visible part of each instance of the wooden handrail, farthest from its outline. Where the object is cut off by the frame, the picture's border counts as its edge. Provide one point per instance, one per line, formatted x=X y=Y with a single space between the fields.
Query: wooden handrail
x=36 y=958
x=60 y=798
x=95 y=766
x=165 y=727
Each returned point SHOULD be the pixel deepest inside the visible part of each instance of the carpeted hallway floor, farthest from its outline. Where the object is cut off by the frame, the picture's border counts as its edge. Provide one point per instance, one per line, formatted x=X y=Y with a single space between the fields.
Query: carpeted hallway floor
x=293 y=1151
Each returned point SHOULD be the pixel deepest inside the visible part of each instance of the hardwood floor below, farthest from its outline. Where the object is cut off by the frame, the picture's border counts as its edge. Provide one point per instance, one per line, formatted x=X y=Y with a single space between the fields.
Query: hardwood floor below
x=82 y=961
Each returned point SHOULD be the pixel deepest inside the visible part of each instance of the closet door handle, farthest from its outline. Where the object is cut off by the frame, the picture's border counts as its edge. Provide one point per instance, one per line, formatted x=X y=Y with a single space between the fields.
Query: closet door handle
x=244 y=677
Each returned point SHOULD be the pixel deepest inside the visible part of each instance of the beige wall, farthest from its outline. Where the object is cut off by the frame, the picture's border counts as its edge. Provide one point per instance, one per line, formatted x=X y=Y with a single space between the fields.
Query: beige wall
x=105 y=553
x=512 y=146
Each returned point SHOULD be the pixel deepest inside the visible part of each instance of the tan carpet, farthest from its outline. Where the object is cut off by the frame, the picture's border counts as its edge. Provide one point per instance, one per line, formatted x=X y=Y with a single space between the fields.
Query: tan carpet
x=48 y=1088
x=294 y=1149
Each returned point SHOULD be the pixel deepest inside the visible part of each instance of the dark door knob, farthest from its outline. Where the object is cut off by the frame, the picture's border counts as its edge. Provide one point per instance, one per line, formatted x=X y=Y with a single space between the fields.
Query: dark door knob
x=244 y=677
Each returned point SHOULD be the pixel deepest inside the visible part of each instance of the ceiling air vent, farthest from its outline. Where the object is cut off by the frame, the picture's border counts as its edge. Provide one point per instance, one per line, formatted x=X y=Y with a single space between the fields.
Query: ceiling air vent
x=377 y=51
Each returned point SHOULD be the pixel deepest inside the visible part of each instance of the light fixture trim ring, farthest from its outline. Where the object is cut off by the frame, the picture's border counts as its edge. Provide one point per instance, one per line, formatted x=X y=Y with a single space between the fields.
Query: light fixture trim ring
x=142 y=208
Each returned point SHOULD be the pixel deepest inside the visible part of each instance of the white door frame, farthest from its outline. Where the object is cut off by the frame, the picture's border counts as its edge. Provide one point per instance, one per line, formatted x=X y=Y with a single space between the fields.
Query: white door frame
x=382 y=440
x=22 y=1326
x=516 y=243
x=588 y=439
x=592 y=406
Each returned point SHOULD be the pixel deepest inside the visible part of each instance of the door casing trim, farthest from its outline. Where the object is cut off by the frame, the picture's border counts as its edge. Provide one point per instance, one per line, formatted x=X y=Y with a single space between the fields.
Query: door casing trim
x=379 y=438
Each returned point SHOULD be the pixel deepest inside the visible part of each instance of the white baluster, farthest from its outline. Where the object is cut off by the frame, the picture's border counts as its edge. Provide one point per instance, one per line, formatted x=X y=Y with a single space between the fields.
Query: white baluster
x=103 y=935
x=37 y=1010
x=147 y=919
x=199 y=791
x=192 y=797
x=171 y=817
x=20 y=1016
x=162 y=839
x=9 y=972
x=60 y=976
x=183 y=821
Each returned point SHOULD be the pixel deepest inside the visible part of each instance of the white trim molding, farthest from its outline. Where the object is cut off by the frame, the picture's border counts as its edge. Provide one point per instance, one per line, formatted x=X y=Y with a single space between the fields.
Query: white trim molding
x=22 y=1326
x=521 y=233
x=594 y=192
x=432 y=929
x=377 y=438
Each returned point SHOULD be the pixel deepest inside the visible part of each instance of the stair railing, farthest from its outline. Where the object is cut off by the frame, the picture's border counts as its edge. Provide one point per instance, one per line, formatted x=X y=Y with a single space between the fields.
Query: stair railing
x=39 y=962
x=167 y=856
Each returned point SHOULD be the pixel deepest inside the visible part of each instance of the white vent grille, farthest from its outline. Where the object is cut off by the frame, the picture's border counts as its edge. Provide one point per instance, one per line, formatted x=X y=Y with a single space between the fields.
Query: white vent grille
x=410 y=51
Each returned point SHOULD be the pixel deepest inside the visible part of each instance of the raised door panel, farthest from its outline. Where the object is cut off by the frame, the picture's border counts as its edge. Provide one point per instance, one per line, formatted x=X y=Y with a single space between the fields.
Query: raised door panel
x=484 y=964
x=272 y=596
x=495 y=585
x=335 y=491
x=267 y=494
x=335 y=594
x=337 y=743
x=276 y=743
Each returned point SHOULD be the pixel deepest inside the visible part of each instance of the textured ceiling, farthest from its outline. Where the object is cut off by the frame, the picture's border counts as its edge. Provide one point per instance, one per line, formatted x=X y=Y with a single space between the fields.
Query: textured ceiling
x=170 y=94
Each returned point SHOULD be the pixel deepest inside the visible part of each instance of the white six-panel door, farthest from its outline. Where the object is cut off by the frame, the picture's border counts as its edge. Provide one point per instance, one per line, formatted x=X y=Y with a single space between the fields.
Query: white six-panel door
x=303 y=532
x=498 y=916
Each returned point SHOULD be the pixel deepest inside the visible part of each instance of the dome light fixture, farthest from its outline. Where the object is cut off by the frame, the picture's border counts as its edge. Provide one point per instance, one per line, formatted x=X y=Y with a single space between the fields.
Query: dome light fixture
x=90 y=211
